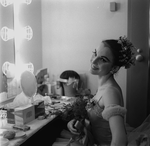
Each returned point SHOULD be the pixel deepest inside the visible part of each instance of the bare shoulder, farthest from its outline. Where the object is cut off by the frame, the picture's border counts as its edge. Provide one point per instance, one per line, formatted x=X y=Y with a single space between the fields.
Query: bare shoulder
x=112 y=95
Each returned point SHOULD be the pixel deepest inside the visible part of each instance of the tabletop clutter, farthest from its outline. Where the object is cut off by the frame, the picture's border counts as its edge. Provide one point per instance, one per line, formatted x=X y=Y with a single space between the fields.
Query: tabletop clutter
x=19 y=117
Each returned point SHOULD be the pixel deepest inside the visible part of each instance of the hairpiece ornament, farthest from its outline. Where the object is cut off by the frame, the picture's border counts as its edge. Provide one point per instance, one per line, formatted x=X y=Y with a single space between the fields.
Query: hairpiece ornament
x=127 y=52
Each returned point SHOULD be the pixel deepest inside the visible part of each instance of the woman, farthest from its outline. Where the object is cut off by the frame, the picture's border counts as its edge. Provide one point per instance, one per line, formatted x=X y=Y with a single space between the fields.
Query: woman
x=106 y=111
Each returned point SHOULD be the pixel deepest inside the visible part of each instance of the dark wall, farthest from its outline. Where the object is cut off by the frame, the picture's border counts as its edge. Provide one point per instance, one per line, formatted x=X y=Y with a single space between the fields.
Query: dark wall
x=138 y=76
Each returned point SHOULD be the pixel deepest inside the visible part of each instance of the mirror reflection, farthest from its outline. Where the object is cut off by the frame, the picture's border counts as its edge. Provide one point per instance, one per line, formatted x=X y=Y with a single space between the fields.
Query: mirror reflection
x=7 y=48
x=16 y=49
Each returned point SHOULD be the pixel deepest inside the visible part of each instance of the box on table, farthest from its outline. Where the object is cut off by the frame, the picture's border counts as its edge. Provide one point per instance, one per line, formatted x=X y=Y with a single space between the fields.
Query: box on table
x=21 y=115
x=39 y=108
x=10 y=116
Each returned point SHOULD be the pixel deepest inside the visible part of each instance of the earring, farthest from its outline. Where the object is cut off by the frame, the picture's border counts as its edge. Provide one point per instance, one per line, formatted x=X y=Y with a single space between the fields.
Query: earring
x=112 y=72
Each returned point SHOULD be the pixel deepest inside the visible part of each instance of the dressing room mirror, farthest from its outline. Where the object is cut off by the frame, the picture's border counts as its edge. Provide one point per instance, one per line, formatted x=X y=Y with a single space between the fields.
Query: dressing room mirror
x=7 y=48
x=20 y=49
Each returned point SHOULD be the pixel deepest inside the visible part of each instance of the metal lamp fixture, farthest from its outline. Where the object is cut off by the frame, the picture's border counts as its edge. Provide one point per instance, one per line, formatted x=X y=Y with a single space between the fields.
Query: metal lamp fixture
x=7 y=33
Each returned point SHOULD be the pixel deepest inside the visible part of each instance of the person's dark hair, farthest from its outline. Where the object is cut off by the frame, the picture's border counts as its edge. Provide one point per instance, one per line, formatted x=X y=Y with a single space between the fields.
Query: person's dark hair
x=123 y=51
x=66 y=75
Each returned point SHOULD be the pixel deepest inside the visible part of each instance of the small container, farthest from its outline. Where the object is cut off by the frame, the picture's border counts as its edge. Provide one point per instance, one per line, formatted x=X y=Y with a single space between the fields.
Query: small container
x=49 y=89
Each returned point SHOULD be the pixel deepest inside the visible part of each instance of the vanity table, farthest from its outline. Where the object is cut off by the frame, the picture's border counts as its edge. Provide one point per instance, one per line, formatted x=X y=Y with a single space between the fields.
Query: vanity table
x=42 y=132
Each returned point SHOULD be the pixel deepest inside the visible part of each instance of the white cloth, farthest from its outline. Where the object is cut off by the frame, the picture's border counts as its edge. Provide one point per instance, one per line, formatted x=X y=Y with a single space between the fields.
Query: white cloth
x=46 y=99
x=20 y=100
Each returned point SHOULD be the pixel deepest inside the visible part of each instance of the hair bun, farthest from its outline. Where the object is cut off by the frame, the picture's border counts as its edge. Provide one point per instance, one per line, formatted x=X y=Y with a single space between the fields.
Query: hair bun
x=127 y=52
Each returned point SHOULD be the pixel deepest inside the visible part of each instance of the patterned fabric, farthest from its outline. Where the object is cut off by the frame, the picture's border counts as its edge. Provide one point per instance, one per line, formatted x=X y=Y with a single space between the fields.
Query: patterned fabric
x=99 y=127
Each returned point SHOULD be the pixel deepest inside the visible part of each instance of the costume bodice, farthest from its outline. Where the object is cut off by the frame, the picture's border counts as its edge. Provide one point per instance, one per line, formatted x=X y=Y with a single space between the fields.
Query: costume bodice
x=100 y=127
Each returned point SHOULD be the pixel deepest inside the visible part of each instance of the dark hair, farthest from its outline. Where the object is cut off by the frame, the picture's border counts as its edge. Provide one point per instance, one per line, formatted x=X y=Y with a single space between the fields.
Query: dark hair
x=69 y=73
x=66 y=75
x=123 y=51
